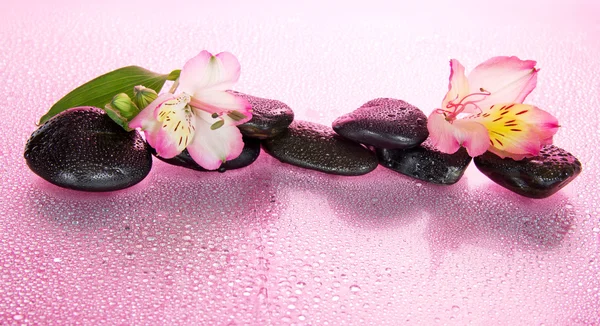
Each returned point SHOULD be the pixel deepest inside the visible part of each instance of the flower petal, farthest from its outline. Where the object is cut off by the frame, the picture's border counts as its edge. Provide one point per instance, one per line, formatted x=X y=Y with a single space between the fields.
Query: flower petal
x=508 y=79
x=219 y=102
x=448 y=137
x=145 y=119
x=208 y=72
x=458 y=86
x=167 y=123
x=177 y=126
x=473 y=136
x=517 y=130
x=441 y=133
x=210 y=148
x=152 y=127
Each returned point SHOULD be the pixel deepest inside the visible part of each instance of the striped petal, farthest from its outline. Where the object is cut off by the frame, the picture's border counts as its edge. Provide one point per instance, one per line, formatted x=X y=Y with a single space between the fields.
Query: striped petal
x=517 y=130
x=166 y=124
x=177 y=126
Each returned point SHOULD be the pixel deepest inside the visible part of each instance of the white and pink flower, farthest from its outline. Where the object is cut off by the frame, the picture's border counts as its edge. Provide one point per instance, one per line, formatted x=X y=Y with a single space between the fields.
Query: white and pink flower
x=202 y=117
x=484 y=112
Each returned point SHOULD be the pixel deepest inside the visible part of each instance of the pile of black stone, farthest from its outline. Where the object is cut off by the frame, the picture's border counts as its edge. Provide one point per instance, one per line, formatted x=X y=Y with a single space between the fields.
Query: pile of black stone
x=84 y=149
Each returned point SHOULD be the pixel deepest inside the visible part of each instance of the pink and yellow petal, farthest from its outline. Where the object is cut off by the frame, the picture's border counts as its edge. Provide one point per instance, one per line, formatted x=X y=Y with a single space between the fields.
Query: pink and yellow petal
x=508 y=79
x=209 y=72
x=167 y=124
x=517 y=130
x=177 y=127
x=210 y=148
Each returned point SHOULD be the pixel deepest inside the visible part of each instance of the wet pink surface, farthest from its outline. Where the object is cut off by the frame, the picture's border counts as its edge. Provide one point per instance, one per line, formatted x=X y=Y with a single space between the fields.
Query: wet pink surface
x=275 y=244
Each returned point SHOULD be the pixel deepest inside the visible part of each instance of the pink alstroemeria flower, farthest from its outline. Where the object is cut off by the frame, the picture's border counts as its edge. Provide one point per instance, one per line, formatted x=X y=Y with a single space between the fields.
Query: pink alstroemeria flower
x=495 y=119
x=202 y=117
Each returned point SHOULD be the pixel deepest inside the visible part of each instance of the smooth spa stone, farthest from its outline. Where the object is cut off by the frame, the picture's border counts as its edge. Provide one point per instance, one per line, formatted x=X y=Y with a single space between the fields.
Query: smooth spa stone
x=83 y=149
x=314 y=146
x=384 y=123
x=269 y=117
x=249 y=154
x=535 y=177
x=426 y=163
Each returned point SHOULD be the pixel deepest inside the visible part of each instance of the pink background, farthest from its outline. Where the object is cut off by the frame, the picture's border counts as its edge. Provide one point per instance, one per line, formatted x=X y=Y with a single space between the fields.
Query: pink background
x=275 y=244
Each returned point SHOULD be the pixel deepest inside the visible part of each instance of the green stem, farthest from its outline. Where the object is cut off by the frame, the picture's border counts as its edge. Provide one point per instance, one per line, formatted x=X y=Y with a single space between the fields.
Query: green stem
x=174 y=87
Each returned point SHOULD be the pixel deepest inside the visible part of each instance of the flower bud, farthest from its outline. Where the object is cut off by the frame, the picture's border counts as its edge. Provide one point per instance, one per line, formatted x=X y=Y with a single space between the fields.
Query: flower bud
x=143 y=96
x=122 y=104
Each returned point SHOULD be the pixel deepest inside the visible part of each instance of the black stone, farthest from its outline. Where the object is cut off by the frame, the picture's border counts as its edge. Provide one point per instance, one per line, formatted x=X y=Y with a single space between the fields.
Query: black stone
x=83 y=149
x=384 y=123
x=534 y=177
x=317 y=147
x=426 y=163
x=269 y=117
x=248 y=156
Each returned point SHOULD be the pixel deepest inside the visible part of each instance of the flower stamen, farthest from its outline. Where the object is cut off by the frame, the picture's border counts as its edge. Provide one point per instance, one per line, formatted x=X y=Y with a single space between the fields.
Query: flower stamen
x=460 y=106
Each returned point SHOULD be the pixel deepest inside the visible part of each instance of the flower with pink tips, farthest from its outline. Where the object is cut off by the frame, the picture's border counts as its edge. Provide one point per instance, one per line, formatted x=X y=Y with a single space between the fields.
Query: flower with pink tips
x=202 y=117
x=485 y=112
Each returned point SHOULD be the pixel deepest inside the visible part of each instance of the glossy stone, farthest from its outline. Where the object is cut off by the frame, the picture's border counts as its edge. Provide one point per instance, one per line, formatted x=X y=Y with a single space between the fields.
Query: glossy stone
x=426 y=163
x=535 y=177
x=249 y=154
x=83 y=149
x=314 y=146
x=269 y=117
x=384 y=123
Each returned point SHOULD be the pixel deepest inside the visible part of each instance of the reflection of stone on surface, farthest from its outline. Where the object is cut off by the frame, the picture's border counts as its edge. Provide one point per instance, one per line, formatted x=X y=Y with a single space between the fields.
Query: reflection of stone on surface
x=182 y=234
x=170 y=193
x=499 y=221
x=381 y=199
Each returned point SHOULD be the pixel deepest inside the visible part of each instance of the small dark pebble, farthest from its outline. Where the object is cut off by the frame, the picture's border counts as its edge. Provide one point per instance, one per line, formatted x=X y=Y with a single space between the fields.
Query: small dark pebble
x=384 y=123
x=426 y=163
x=83 y=149
x=269 y=117
x=535 y=177
x=318 y=147
x=248 y=156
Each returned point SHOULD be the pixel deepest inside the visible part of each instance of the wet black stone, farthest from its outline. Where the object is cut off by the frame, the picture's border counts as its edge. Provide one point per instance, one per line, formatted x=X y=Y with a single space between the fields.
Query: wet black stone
x=269 y=117
x=249 y=155
x=83 y=149
x=384 y=123
x=535 y=177
x=317 y=147
x=426 y=163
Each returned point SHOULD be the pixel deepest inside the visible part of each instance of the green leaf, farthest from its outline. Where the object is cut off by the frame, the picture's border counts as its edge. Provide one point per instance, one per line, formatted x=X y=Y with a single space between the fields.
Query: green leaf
x=101 y=90
x=174 y=75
